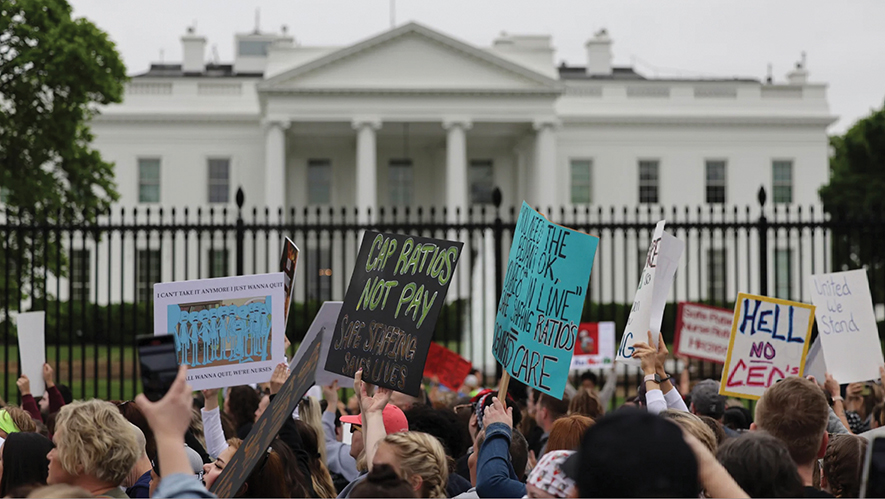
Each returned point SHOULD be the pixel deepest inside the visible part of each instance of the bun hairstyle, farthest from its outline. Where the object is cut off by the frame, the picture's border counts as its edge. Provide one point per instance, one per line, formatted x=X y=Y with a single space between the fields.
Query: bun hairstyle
x=422 y=455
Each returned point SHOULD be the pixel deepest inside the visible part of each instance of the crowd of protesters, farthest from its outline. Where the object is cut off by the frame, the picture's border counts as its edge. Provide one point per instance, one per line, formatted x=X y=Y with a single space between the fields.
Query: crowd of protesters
x=805 y=438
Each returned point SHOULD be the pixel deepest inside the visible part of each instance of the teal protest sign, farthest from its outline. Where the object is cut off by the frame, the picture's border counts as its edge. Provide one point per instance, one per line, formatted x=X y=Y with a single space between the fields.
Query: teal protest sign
x=540 y=308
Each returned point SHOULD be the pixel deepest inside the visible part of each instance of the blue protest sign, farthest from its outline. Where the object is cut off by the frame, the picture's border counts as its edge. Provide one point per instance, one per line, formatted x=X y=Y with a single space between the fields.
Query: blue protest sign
x=539 y=312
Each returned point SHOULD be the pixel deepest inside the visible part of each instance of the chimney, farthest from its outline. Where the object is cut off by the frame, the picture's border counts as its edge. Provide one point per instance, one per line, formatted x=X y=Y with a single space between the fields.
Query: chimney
x=599 y=54
x=798 y=76
x=194 y=48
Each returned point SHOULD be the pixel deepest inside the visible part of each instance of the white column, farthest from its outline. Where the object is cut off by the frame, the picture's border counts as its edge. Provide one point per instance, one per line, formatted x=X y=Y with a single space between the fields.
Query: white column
x=366 y=168
x=275 y=164
x=545 y=193
x=456 y=167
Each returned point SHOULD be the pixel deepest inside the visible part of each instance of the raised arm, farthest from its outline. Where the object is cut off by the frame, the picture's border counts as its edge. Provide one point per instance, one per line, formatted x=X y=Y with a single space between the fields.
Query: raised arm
x=371 y=409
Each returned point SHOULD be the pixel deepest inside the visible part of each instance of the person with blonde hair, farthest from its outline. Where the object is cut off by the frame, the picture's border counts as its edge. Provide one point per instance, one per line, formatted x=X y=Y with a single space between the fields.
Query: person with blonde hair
x=694 y=425
x=418 y=458
x=310 y=412
x=95 y=448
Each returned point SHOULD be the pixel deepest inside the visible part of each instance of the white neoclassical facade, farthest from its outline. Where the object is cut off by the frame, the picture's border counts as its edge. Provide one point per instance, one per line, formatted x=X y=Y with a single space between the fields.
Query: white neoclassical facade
x=415 y=117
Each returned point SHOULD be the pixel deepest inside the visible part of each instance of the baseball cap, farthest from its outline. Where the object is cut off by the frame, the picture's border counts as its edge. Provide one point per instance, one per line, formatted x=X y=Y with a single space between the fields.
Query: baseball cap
x=628 y=440
x=193 y=458
x=706 y=399
x=394 y=419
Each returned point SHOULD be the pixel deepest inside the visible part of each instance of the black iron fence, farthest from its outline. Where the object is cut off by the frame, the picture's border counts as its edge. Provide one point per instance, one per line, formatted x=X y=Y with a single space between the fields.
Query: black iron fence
x=95 y=281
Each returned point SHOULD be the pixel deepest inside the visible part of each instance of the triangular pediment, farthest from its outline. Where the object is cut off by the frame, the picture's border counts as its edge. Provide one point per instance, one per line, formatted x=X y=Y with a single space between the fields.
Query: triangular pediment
x=411 y=58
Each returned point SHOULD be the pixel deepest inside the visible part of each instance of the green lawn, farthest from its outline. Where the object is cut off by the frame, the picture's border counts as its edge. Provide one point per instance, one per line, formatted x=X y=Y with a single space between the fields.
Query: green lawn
x=75 y=367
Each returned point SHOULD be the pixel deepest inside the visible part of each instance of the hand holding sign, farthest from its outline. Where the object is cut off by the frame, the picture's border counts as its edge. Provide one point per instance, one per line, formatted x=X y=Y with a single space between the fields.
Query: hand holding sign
x=646 y=354
x=370 y=404
x=497 y=413
x=170 y=418
x=24 y=385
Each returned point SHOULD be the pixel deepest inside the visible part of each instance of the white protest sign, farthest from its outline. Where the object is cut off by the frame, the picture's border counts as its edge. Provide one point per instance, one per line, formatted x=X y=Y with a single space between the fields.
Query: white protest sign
x=32 y=348
x=594 y=346
x=324 y=323
x=847 y=325
x=655 y=281
x=815 y=365
x=702 y=332
x=769 y=342
x=230 y=331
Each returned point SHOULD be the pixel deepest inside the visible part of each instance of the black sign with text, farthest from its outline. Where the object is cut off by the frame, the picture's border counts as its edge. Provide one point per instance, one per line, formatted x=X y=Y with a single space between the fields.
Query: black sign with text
x=301 y=378
x=396 y=293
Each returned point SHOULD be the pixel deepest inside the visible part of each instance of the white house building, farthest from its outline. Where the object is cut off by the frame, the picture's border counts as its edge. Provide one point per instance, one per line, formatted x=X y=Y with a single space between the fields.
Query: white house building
x=414 y=117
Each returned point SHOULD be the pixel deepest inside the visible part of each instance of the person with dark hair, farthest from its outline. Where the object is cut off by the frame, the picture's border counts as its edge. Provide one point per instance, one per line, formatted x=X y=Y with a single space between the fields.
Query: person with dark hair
x=241 y=404
x=737 y=418
x=383 y=481
x=589 y=380
x=761 y=465
x=716 y=427
x=547 y=411
x=632 y=453
x=51 y=401
x=843 y=465
x=23 y=461
x=319 y=473
x=586 y=403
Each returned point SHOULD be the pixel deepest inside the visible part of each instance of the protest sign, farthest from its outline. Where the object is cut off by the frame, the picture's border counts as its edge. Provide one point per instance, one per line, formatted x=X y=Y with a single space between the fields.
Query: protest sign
x=595 y=345
x=288 y=264
x=702 y=332
x=847 y=325
x=323 y=325
x=815 y=365
x=31 y=328
x=769 y=341
x=449 y=367
x=655 y=281
x=548 y=272
x=228 y=330
x=396 y=293
x=265 y=430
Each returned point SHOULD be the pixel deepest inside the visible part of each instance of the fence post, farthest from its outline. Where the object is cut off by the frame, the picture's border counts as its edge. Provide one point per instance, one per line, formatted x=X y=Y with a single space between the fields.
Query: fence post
x=241 y=232
x=762 y=227
x=499 y=272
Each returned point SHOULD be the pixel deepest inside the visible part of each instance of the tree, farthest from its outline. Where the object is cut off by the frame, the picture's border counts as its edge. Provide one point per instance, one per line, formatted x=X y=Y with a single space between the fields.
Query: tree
x=55 y=72
x=854 y=197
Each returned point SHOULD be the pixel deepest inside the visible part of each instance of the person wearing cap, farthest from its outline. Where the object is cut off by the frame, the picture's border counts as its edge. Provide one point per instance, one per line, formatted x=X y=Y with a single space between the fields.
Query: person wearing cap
x=632 y=453
x=706 y=401
x=660 y=393
x=381 y=419
x=338 y=457
x=7 y=425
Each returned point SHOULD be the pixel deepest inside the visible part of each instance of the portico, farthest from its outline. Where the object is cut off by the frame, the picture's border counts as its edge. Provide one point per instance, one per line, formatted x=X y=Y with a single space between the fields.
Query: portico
x=402 y=119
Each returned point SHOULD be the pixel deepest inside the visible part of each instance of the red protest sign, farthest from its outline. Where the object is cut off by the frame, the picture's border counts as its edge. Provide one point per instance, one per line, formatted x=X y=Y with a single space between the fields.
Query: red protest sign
x=448 y=366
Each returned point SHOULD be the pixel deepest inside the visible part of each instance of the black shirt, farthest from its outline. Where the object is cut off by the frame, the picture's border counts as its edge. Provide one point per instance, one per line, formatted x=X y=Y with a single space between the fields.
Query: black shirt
x=813 y=492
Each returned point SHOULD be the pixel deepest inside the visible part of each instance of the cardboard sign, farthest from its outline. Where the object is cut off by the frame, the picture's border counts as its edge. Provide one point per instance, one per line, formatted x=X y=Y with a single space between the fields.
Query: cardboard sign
x=448 y=366
x=253 y=448
x=228 y=330
x=815 y=365
x=847 y=325
x=702 y=332
x=595 y=345
x=769 y=341
x=288 y=264
x=655 y=282
x=323 y=325
x=396 y=293
x=548 y=272
x=32 y=348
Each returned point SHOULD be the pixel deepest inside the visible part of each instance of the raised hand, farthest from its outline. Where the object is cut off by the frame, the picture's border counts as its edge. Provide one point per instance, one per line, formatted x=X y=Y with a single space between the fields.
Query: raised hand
x=662 y=352
x=48 y=375
x=647 y=355
x=171 y=415
x=375 y=403
x=497 y=413
x=831 y=385
x=24 y=385
x=278 y=378
x=330 y=394
x=210 y=398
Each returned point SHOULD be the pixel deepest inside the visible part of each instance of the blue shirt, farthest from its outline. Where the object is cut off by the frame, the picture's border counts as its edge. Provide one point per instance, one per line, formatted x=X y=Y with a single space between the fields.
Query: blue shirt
x=141 y=488
x=182 y=485
x=495 y=476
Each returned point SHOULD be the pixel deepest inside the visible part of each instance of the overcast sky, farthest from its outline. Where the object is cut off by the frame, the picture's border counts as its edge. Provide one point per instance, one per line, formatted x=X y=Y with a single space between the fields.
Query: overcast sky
x=844 y=40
